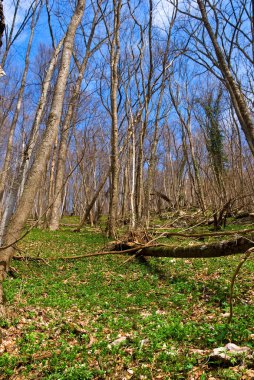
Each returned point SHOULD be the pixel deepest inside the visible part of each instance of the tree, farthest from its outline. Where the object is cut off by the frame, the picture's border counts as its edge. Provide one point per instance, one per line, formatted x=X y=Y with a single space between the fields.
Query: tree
x=2 y=22
x=238 y=99
x=33 y=181
x=10 y=200
x=182 y=104
x=2 y=28
x=70 y=118
x=212 y=108
x=12 y=33
x=114 y=51
x=220 y=39
x=160 y=82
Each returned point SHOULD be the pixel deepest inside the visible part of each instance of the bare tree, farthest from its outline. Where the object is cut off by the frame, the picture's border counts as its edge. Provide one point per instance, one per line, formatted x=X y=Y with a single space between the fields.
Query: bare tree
x=2 y=28
x=33 y=181
x=66 y=127
x=220 y=39
x=6 y=170
x=160 y=82
x=12 y=33
x=2 y=22
x=114 y=51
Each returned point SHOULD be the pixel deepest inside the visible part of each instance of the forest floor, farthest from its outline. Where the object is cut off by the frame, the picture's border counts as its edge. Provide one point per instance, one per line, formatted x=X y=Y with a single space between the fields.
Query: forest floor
x=105 y=318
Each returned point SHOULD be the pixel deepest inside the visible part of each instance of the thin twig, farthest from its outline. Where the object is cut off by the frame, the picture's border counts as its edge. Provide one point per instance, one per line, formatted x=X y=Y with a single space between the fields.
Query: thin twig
x=30 y=258
x=247 y=255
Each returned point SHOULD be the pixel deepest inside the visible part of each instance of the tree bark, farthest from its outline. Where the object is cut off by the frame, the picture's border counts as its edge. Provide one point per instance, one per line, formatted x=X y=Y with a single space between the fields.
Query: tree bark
x=226 y=248
x=38 y=117
x=8 y=155
x=2 y=22
x=31 y=186
x=114 y=59
x=92 y=203
x=239 y=102
x=69 y=118
x=220 y=249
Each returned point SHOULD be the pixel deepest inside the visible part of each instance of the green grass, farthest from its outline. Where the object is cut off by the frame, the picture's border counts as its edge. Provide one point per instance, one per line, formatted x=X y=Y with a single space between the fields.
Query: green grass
x=63 y=317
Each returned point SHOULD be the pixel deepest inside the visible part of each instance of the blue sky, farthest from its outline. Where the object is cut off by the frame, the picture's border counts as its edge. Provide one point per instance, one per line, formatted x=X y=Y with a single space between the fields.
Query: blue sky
x=18 y=50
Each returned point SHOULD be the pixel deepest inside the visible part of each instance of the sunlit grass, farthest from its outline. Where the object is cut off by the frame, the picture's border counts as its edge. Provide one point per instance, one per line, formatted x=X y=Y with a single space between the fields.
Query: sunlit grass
x=64 y=316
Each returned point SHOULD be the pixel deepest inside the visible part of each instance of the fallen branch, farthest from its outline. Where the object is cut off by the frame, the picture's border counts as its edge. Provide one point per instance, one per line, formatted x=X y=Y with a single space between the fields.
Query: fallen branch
x=30 y=258
x=103 y=253
x=223 y=248
x=209 y=250
x=207 y=234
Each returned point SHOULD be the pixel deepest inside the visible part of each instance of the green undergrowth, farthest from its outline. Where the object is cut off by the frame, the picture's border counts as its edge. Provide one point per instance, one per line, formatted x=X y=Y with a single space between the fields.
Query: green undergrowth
x=105 y=318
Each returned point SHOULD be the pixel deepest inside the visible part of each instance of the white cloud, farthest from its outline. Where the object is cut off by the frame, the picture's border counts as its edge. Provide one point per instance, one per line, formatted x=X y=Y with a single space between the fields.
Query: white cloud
x=164 y=9
x=9 y=8
x=163 y=12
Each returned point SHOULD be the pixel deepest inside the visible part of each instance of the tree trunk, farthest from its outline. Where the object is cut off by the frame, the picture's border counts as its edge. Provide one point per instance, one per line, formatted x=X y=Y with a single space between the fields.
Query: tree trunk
x=209 y=250
x=37 y=120
x=8 y=155
x=114 y=59
x=239 y=102
x=92 y=203
x=10 y=34
x=2 y=22
x=69 y=118
x=52 y=179
x=225 y=248
x=31 y=186
x=132 y=185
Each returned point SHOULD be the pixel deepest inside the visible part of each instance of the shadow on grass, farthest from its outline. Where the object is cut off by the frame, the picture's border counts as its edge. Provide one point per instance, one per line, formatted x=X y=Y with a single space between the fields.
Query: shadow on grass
x=155 y=270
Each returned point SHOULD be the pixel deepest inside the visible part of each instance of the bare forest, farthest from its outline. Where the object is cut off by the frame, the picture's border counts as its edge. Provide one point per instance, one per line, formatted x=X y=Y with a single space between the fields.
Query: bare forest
x=133 y=120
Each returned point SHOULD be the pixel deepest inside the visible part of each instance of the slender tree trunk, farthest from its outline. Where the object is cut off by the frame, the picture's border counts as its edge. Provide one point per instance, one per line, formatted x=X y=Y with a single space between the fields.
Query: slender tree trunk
x=9 y=201
x=9 y=40
x=69 y=118
x=92 y=202
x=196 y=180
x=8 y=155
x=33 y=181
x=139 y=190
x=37 y=120
x=238 y=100
x=132 y=185
x=152 y=161
x=56 y=200
x=150 y=174
x=114 y=59
x=125 y=190
x=199 y=190
x=52 y=179
x=155 y=140
x=239 y=161
x=2 y=28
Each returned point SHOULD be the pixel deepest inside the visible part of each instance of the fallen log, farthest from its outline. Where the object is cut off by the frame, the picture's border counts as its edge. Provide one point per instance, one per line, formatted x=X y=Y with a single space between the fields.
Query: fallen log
x=205 y=234
x=244 y=215
x=220 y=249
x=209 y=250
